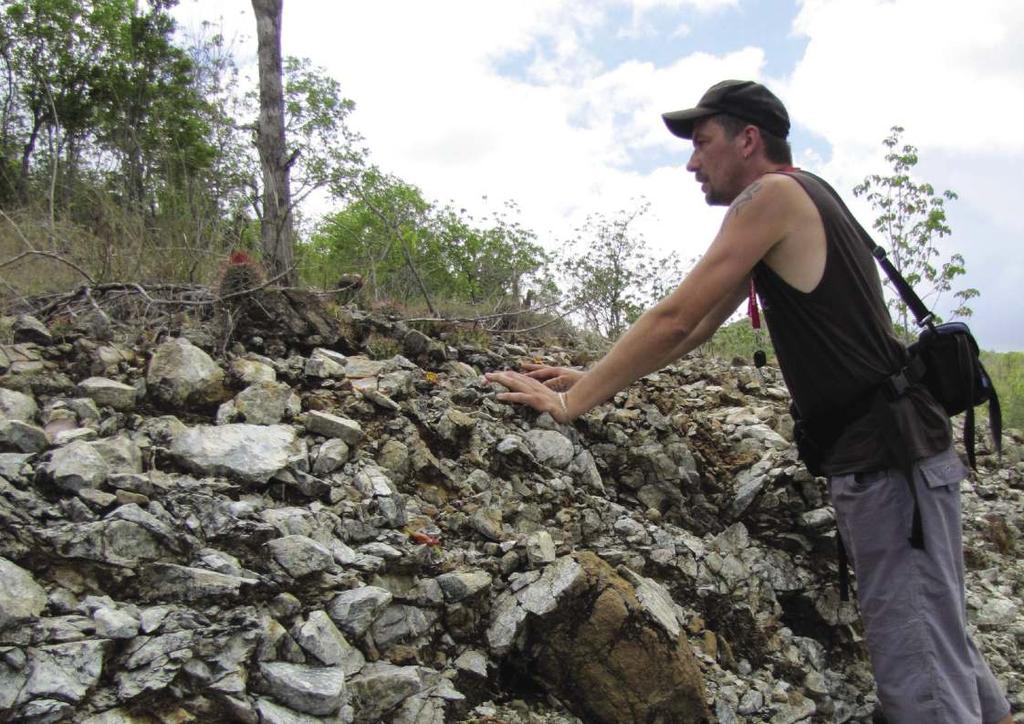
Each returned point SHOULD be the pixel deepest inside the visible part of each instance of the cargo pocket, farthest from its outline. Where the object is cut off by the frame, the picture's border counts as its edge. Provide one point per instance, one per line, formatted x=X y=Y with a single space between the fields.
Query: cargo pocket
x=943 y=470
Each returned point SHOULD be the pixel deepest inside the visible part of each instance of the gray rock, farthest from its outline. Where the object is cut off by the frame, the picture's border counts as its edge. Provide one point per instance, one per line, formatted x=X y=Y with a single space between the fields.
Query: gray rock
x=271 y=713
x=997 y=612
x=488 y=523
x=14 y=466
x=180 y=373
x=381 y=687
x=64 y=671
x=249 y=371
x=114 y=624
x=418 y=709
x=170 y=581
x=27 y=328
x=153 y=662
x=75 y=466
x=542 y=596
x=317 y=690
x=328 y=425
x=354 y=610
x=262 y=403
x=463 y=584
x=300 y=556
x=107 y=393
x=793 y=713
x=321 y=638
x=473 y=662
x=656 y=601
x=325 y=363
x=252 y=453
x=332 y=455
x=550 y=447
x=120 y=453
x=127 y=537
x=399 y=623
x=21 y=598
x=18 y=436
x=540 y=548
x=360 y=367
x=17 y=406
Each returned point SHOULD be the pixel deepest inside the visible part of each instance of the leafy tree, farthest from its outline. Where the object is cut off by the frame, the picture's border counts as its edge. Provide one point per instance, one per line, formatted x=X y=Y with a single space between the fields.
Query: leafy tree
x=912 y=219
x=407 y=247
x=611 y=276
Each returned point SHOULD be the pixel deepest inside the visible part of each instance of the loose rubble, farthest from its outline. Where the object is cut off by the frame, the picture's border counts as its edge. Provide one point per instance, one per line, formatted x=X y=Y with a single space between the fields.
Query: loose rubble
x=295 y=532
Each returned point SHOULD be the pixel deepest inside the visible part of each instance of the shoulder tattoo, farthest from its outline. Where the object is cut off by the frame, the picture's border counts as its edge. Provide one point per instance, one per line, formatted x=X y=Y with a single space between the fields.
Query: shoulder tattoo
x=744 y=198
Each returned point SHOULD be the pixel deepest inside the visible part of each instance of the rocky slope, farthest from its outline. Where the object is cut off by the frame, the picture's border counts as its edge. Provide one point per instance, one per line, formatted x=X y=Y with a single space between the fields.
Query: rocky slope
x=297 y=532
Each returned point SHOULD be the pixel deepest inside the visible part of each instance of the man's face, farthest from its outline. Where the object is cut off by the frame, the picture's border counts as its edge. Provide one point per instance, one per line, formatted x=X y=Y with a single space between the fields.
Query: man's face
x=715 y=162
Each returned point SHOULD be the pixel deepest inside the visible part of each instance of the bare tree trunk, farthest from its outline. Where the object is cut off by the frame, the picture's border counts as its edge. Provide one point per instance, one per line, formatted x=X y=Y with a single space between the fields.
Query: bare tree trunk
x=276 y=220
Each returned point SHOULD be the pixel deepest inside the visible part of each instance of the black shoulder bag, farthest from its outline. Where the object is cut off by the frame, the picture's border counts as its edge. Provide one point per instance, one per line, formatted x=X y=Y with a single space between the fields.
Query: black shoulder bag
x=945 y=357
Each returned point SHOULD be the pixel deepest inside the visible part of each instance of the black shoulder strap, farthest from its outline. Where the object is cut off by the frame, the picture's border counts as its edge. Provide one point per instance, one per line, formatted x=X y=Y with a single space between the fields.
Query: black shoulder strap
x=906 y=292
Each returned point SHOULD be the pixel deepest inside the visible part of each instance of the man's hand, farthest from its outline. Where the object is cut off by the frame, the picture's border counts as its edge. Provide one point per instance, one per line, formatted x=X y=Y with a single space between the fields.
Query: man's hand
x=559 y=379
x=525 y=390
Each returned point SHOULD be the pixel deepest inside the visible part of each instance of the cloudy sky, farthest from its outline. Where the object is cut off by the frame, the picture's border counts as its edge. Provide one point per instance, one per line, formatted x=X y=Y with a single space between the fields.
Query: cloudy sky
x=556 y=104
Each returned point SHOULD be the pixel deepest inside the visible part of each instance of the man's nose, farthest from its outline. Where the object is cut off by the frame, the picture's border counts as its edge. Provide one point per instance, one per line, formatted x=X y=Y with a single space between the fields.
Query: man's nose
x=692 y=165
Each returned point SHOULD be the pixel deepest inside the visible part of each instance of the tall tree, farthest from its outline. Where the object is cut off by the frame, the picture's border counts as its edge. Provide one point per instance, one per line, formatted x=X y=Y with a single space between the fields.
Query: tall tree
x=912 y=219
x=611 y=275
x=276 y=219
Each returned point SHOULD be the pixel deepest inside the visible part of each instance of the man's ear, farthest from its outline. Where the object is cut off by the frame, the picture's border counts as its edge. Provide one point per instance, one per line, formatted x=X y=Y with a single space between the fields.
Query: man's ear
x=751 y=138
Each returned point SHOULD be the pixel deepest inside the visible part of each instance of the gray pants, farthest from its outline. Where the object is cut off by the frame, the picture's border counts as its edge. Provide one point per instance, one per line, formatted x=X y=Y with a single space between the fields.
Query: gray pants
x=926 y=667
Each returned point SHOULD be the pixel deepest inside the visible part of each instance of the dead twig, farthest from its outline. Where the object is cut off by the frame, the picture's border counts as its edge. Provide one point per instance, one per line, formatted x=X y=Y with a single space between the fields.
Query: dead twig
x=485 y=317
x=50 y=255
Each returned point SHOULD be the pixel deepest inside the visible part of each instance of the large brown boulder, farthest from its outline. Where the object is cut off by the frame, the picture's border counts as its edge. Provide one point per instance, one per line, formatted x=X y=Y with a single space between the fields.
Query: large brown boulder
x=611 y=658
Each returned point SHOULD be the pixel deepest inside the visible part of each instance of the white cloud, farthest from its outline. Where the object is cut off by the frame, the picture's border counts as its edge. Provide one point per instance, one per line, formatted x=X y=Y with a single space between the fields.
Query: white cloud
x=559 y=136
x=946 y=71
x=952 y=74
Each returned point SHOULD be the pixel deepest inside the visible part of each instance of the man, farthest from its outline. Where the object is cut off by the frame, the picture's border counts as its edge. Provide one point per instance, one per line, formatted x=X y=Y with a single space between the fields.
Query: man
x=893 y=474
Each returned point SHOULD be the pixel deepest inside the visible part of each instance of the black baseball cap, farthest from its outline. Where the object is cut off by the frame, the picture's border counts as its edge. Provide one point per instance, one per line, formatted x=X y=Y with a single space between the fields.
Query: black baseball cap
x=745 y=99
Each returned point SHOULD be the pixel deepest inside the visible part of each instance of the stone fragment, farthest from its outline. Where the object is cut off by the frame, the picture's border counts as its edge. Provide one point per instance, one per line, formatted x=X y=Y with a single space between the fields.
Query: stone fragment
x=169 y=581
x=361 y=367
x=317 y=690
x=64 y=671
x=325 y=363
x=262 y=403
x=381 y=687
x=354 y=610
x=114 y=624
x=328 y=425
x=16 y=405
x=271 y=713
x=23 y=437
x=252 y=453
x=300 y=556
x=321 y=638
x=75 y=466
x=997 y=612
x=27 y=328
x=332 y=455
x=473 y=662
x=488 y=523
x=463 y=584
x=181 y=374
x=550 y=447
x=540 y=548
x=21 y=598
x=399 y=623
x=107 y=393
x=249 y=371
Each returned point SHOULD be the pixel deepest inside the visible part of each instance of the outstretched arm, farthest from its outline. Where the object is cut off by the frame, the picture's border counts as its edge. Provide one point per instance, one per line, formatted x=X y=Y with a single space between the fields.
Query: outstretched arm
x=755 y=222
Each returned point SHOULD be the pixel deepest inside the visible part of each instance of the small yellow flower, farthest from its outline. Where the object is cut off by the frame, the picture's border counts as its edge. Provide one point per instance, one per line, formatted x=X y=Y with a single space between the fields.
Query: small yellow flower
x=431 y=377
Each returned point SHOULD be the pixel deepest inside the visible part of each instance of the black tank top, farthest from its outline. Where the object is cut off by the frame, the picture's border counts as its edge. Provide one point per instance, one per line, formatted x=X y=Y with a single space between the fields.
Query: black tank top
x=836 y=343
